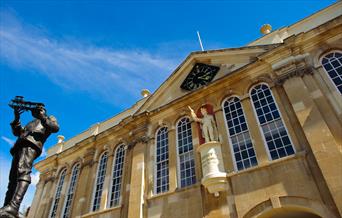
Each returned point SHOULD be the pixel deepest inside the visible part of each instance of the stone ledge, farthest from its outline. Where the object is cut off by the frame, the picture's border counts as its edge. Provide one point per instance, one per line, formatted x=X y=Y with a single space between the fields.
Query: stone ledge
x=101 y=211
x=298 y=155
x=176 y=191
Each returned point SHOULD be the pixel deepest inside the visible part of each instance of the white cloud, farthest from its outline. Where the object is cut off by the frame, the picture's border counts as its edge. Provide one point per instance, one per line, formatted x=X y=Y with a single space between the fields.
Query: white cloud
x=44 y=153
x=35 y=178
x=106 y=72
x=8 y=140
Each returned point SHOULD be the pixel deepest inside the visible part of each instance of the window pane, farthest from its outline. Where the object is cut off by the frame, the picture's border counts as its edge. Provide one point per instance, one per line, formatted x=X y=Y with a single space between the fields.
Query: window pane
x=185 y=152
x=239 y=137
x=162 y=161
x=71 y=191
x=101 y=173
x=332 y=63
x=58 y=194
x=117 y=176
x=273 y=129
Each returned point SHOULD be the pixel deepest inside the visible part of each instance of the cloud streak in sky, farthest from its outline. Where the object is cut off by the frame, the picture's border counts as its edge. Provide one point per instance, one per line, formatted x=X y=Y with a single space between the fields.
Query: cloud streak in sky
x=8 y=140
x=96 y=70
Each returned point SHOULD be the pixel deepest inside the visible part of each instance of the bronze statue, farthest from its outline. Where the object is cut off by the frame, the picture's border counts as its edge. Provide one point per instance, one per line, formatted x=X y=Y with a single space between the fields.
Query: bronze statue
x=26 y=149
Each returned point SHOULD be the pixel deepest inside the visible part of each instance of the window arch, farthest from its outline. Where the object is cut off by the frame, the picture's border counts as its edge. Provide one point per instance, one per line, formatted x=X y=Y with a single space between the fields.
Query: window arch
x=272 y=126
x=332 y=64
x=162 y=161
x=241 y=144
x=58 y=194
x=101 y=174
x=71 y=191
x=186 y=162
x=117 y=176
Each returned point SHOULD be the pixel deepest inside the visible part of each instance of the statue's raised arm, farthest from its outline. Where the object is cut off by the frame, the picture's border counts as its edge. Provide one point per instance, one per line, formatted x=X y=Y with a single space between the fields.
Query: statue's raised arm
x=194 y=116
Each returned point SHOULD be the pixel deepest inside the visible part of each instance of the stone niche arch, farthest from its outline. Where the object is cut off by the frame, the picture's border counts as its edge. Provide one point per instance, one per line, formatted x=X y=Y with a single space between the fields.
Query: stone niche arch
x=289 y=207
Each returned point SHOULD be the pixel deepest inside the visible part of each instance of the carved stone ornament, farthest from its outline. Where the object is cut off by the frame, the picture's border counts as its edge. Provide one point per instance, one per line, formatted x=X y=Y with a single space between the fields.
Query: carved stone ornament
x=141 y=139
x=294 y=66
x=214 y=175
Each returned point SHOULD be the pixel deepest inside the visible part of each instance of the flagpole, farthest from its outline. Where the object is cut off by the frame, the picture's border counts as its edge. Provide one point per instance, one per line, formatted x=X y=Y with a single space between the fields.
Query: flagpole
x=200 y=41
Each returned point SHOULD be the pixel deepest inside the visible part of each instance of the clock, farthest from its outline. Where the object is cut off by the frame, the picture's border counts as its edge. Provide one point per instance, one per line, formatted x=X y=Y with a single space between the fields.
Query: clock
x=200 y=75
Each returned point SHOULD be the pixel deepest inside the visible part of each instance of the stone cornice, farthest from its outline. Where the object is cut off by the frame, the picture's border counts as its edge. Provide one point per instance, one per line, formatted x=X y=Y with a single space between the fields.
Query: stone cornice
x=294 y=66
x=88 y=157
x=48 y=176
x=141 y=139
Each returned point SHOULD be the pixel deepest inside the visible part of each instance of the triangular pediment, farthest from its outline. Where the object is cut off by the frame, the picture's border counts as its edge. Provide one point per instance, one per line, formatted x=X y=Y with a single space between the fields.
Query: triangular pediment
x=227 y=60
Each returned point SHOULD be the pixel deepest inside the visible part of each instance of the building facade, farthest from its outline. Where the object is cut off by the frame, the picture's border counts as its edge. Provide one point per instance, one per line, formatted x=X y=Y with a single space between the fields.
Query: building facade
x=277 y=110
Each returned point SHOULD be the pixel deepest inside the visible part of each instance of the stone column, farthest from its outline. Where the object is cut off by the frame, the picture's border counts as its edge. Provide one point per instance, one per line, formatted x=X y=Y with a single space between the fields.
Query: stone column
x=48 y=195
x=37 y=199
x=137 y=184
x=84 y=186
x=322 y=143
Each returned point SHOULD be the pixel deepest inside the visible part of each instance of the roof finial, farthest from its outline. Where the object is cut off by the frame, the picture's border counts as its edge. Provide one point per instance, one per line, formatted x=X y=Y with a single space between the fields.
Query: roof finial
x=266 y=29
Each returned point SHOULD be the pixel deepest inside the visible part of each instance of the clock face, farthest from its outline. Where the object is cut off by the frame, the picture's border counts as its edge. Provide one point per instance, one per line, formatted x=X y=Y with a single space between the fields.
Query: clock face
x=200 y=75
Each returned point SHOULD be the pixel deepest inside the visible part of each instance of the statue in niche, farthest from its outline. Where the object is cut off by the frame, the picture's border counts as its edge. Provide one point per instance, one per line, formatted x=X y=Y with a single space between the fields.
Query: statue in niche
x=207 y=123
x=25 y=150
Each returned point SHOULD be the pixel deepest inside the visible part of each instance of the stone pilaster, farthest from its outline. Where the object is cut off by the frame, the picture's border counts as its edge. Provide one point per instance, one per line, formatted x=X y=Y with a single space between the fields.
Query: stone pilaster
x=37 y=199
x=84 y=186
x=47 y=198
x=323 y=145
x=137 y=183
x=172 y=159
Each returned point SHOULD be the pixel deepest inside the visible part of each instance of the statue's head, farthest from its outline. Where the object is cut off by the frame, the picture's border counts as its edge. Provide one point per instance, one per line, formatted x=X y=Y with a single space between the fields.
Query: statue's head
x=38 y=111
x=204 y=110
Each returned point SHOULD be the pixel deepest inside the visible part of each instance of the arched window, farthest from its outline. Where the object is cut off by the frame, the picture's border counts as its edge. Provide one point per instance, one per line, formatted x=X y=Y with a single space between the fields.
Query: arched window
x=101 y=174
x=269 y=118
x=186 y=174
x=332 y=64
x=71 y=191
x=58 y=194
x=239 y=137
x=162 y=161
x=117 y=176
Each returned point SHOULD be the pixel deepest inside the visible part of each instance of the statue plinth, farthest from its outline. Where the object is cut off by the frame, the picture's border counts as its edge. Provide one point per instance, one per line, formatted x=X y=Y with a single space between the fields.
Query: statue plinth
x=214 y=174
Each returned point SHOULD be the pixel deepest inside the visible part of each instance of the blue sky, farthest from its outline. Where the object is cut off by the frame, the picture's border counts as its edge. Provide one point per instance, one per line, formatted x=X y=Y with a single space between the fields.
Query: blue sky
x=87 y=60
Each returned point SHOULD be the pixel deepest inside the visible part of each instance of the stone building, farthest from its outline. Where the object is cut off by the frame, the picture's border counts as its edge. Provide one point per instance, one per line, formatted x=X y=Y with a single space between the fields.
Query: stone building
x=277 y=110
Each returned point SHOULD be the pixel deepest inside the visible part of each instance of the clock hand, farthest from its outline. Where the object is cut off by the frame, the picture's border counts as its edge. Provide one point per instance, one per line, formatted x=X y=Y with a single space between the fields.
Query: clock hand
x=206 y=74
x=204 y=77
